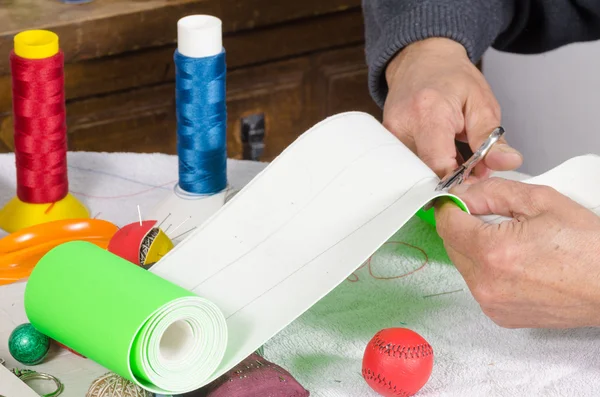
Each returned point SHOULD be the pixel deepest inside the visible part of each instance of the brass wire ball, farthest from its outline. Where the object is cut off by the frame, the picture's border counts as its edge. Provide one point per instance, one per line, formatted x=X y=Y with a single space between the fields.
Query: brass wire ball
x=112 y=385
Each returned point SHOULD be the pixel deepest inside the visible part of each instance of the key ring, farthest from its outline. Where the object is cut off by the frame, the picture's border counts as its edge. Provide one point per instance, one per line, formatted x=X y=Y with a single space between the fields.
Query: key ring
x=27 y=374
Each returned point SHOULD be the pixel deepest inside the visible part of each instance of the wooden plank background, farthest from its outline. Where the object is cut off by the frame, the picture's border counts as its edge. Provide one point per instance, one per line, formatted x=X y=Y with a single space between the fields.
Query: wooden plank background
x=294 y=62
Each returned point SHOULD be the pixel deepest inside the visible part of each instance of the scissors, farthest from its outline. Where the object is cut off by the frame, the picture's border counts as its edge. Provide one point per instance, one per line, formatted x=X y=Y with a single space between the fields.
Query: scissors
x=460 y=174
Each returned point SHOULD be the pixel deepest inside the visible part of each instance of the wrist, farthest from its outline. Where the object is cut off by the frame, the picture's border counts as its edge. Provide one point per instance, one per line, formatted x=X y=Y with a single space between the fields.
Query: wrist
x=437 y=47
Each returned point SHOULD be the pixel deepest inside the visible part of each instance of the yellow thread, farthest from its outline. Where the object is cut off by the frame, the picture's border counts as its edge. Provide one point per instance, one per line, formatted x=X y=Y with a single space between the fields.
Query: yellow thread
x=36 y=44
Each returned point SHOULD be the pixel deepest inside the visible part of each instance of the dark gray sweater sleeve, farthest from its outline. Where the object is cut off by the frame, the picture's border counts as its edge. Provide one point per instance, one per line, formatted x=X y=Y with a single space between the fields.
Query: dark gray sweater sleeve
x=519 y=26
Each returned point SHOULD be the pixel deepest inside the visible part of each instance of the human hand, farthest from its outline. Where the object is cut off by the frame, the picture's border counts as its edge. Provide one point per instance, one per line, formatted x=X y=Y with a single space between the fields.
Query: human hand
x=436 y=96
x=539 y=270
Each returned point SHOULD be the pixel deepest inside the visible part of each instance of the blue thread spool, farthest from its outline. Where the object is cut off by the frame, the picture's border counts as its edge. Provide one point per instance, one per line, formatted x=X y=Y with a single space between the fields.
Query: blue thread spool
x=201 y=126
x=201 y=107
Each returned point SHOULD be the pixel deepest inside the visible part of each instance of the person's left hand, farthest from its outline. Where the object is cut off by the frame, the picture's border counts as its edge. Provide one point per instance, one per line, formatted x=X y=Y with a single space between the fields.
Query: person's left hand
x=539 y=270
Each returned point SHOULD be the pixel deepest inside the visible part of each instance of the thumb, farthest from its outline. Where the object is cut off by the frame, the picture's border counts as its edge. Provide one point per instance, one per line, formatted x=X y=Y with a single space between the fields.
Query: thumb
x=481 y=117
x=504 y=197
x=464 y=235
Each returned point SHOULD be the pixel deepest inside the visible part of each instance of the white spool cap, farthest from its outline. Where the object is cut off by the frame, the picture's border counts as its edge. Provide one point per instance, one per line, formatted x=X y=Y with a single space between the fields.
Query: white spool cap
x=199 y=36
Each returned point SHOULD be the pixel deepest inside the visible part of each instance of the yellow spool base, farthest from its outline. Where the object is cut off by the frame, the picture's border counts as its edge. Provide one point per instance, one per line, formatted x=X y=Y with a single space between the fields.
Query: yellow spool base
x=36 y=44
x=17 y=215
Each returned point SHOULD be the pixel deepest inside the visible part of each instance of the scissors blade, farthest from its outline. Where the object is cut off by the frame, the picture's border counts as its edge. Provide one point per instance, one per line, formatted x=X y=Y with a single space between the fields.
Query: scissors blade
x=463 y=172
x=456 y=177
x=460 y=174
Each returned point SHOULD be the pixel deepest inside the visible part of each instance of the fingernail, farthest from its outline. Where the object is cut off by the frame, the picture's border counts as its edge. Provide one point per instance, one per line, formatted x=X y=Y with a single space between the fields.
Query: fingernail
x=504 y=148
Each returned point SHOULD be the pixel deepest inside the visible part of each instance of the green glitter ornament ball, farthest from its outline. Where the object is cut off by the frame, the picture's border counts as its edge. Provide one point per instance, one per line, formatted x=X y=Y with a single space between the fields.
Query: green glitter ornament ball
x=27 y=345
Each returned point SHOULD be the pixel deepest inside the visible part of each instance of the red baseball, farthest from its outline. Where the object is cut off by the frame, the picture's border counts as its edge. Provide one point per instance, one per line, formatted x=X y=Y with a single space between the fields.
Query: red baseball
x=397 y=362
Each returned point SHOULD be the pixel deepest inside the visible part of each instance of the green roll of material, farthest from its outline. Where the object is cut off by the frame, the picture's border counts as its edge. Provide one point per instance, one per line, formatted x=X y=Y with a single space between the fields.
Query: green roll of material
x=132 y=322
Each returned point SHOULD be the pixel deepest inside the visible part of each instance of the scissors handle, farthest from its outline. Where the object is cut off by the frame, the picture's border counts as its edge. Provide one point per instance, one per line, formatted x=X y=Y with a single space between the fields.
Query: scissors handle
x=460 y=174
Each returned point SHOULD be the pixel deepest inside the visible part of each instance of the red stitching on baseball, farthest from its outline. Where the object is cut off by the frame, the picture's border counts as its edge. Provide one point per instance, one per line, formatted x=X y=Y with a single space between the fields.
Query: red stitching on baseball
x=393 y=350
x=370 y=375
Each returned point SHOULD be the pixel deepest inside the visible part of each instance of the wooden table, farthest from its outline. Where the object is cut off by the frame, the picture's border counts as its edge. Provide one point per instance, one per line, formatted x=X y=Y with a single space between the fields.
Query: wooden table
x=290 y=64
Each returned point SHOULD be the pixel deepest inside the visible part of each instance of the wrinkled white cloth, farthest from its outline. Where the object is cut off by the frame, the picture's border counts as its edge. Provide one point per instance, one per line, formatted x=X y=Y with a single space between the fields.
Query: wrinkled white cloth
x=323 y=348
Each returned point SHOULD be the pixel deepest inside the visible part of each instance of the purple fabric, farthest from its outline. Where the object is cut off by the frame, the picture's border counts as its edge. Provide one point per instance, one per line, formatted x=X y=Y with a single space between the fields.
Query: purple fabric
x=255 y=377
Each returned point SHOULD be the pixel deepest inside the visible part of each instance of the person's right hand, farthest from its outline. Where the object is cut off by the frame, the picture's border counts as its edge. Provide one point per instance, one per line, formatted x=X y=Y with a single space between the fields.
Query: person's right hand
x=437 y=95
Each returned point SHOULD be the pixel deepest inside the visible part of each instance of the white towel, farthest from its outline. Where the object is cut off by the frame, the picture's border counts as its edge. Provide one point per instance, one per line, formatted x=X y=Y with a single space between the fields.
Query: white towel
x=323 y=348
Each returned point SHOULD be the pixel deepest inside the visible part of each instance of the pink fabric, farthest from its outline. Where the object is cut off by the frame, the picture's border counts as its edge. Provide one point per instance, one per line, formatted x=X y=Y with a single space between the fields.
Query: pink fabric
x=255 y=377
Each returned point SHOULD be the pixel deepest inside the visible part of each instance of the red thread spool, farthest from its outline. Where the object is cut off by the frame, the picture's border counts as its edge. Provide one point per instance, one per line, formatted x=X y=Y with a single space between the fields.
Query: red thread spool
x=40 y=128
